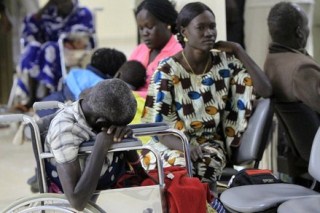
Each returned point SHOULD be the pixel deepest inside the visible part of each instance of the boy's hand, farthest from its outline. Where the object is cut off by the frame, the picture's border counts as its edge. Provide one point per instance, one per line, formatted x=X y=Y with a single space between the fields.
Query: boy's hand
x=105 y=138
x=119 y=132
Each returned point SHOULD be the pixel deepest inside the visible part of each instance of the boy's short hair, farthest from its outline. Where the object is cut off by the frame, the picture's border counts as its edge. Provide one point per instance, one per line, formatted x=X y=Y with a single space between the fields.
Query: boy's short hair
x=84 y=93
x=113 y=99
x=133 y=73
x=108 y=60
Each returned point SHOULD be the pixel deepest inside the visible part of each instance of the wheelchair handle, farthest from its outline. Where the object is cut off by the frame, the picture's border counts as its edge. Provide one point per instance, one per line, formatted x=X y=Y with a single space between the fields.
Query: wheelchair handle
x=11 y=118
x=47 y=105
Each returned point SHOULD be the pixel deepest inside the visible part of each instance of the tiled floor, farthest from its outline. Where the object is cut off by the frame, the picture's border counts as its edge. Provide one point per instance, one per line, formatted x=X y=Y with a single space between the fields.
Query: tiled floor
x=16 y=166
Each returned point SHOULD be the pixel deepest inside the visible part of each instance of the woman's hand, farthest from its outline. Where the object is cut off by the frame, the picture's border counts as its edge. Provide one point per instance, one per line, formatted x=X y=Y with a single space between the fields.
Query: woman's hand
x=195 y=152
x=227 y=46
x=261 y=83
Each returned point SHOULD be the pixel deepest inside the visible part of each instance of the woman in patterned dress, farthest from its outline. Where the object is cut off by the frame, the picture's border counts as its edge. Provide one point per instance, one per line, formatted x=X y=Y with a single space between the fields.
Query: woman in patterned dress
x=206 y=91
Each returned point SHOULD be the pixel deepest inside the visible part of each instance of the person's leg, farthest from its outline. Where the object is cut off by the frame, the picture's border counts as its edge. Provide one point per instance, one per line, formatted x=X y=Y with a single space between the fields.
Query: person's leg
x=49 y=66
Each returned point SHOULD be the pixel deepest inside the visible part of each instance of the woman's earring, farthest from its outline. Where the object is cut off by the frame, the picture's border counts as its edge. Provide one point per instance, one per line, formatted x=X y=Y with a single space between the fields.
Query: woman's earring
x=185 y=39
x=169 y=27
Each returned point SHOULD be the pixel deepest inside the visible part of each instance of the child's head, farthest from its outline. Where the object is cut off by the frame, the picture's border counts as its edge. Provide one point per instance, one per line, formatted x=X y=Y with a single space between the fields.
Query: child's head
x=112 y=101
x=76 y=41
x=108 y=60
x=133 y=73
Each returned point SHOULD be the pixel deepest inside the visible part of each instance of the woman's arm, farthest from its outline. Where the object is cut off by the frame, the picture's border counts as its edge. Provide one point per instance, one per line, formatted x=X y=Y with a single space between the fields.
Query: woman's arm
x=261 y=82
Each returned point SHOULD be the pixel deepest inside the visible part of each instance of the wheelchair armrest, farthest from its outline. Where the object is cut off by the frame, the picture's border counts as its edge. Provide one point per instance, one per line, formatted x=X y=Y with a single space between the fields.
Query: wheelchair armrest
x=10 y=118
x=130 y=142
x=42 y=105
x=148 y=127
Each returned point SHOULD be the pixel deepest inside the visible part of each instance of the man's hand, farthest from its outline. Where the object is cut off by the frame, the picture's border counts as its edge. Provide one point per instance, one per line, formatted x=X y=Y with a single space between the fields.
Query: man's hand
x=119 y=132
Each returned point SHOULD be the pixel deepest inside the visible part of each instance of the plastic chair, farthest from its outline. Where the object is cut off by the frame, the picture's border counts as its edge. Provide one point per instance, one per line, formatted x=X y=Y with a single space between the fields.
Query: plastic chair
x=256 y=136
x=300 y=125
x=253 y=141
x=256 y=198
x=308 y=204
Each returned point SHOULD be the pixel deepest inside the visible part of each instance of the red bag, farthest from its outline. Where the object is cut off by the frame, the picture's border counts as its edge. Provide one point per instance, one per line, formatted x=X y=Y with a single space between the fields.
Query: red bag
x=129 y=179
x=183 y=193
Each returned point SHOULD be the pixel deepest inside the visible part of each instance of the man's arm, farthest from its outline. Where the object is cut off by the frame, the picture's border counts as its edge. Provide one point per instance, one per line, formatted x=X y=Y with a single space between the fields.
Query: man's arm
x=306 y=84
x=78 y=187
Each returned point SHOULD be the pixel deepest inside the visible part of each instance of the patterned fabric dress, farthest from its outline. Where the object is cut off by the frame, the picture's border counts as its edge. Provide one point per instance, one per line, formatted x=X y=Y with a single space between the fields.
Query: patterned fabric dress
x=211 y=109
x=41 y=56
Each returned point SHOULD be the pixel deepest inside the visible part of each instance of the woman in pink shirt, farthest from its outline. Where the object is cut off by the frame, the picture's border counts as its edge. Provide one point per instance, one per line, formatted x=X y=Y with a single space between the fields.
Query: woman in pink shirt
x=156 y=24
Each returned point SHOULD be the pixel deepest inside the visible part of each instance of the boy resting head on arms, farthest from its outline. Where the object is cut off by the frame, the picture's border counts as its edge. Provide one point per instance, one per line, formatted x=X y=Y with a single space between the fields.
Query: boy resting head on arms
x=102 y=115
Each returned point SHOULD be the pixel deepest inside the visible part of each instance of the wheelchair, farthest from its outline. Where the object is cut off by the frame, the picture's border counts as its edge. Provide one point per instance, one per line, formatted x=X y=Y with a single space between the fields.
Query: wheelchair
x=138 y=199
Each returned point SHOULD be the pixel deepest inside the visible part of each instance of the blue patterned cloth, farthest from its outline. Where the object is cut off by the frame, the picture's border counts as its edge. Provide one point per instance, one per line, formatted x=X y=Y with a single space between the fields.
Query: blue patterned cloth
x=41 y=56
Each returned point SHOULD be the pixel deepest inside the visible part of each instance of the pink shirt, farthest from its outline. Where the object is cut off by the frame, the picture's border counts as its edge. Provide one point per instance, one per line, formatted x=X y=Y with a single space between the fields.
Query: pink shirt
x=142 y=53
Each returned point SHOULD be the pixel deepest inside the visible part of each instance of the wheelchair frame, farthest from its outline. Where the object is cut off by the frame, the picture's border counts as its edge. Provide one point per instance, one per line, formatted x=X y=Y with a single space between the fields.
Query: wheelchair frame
x=60 y=203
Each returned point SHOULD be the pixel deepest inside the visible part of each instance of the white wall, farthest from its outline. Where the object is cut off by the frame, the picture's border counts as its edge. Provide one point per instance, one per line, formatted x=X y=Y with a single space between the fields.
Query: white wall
x=257 y=36
x=116 y=26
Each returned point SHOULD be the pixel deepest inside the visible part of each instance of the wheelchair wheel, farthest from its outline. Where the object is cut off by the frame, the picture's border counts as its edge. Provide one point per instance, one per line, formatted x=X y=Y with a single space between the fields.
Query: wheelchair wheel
x=49 y=203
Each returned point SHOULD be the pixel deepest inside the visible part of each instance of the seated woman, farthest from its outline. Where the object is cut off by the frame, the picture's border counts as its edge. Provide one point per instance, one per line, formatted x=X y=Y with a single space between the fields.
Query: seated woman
x=156 y=23
x=206 y=94
x=39 y=67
